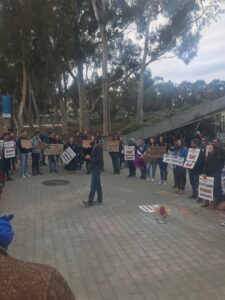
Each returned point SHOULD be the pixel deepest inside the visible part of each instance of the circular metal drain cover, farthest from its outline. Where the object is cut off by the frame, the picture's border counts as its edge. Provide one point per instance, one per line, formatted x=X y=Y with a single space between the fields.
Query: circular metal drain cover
x=55 y=182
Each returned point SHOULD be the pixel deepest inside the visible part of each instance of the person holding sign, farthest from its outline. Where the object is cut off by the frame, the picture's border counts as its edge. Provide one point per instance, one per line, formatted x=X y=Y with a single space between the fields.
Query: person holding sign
x=213 y=166
x=71 y=166
x=24 y=145
x=139 y=161
x=196 y=170
x=131 y=164
x=115 y=154
x=36 y=154
x=6 y=160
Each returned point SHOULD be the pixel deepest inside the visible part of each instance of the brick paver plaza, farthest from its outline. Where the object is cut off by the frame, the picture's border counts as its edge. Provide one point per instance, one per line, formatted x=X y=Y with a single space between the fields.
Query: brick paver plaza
x=117 y=251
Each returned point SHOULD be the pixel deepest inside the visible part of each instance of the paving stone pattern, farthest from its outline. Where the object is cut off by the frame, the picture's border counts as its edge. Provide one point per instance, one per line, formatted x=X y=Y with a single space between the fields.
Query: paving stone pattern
x=116 y=251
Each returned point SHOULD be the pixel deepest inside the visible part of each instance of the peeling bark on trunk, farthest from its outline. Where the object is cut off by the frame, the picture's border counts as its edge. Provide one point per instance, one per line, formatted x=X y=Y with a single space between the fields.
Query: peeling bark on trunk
x=84 y=113
x=34 y=103
x=23 y=96
x=142 y=72
x=102 y=28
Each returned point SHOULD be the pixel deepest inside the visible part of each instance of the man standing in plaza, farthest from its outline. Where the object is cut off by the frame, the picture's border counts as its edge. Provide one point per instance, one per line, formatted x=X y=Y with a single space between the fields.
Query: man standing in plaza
x=96 y=168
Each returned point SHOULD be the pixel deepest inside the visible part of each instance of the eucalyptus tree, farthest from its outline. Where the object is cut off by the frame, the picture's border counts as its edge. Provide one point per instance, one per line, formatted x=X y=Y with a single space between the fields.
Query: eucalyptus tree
x=171 y=26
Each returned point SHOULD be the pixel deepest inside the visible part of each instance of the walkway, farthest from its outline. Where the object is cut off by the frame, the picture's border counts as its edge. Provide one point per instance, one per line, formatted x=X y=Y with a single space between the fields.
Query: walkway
x=117 y=251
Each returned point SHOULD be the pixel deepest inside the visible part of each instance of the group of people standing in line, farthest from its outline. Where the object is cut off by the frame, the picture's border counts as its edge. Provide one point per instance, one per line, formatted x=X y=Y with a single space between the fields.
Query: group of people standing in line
x=210 y=163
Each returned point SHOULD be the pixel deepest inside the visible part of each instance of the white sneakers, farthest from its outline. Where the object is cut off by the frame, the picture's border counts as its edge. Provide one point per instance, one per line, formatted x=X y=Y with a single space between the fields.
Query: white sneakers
x=26 y=175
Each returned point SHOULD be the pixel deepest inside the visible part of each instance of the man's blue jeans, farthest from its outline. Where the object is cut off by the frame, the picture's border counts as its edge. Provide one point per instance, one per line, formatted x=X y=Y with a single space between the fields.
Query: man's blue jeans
x=24 y=164
x=95 y=186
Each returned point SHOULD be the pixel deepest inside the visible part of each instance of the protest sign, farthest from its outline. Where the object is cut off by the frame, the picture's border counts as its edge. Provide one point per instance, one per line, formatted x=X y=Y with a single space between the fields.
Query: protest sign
x=26 y=144
x=192 y=157
x=113 y=146
x=54 y=149
x=42 y=145
x=9 y=149
x=173 y=160
x=67 y=155
x=155 y=152
x=86 y=144
x=129 y=152
x=205 y=189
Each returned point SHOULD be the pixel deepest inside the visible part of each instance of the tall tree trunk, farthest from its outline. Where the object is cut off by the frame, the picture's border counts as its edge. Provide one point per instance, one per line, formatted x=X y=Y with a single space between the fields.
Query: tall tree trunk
x=30 y=114
x=84 y=113
x=142 y=72
x=102 y=28
x=33 y=98
x=23 y=95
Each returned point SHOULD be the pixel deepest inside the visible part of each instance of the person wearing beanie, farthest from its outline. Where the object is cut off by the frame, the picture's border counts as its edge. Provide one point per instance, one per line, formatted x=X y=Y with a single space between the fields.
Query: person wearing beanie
x=25 y=280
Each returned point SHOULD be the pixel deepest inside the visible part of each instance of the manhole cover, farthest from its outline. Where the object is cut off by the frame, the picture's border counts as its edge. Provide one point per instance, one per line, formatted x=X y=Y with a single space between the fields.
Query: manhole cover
x=55 y=182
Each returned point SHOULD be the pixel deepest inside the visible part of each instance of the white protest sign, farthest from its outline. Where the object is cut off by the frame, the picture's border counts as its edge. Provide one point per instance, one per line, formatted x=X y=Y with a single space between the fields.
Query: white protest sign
x=9 y=149
x=67 y=155
x=129 y=152
x=205 y=189
x=192 y=157
x=173 y=160
x=149 y=208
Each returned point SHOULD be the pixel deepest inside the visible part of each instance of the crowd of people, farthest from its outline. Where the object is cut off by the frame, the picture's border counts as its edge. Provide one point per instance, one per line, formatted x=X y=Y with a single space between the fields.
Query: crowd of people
x=210 y=163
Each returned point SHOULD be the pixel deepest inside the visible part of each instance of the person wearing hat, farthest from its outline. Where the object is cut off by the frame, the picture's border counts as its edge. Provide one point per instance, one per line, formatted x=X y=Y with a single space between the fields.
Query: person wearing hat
x=197 y=170
x=25 y=280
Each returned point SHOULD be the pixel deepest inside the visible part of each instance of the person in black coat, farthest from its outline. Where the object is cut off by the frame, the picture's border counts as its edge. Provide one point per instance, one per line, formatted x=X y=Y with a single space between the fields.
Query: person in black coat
x=213 y=166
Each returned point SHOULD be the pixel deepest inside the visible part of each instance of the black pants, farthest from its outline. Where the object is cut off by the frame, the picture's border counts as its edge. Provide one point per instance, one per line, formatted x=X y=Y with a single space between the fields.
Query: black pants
x=88 y=166
x=194 y=181
x=132 y=168
x=6 y=167
x=181 y=178
x=35 y=163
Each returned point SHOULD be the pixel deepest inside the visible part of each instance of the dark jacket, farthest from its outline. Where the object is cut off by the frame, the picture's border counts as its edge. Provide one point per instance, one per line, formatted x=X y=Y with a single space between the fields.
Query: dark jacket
x=97 y=157
x=213 y=165
x=199 y=165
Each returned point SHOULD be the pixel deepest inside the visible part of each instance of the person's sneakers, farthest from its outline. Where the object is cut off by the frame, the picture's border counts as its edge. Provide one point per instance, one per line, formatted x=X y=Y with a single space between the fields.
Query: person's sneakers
x=222 y=223
x=97 y=202
x=160 y=182
x=129 y=175
x=27 y=175
x=86 y=203
x=148 y=179
x=164 y=183
x=153 y=180
x=23 y=176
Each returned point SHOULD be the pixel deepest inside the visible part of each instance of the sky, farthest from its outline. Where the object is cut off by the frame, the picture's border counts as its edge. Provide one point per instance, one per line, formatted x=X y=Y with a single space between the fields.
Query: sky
x=209 y=63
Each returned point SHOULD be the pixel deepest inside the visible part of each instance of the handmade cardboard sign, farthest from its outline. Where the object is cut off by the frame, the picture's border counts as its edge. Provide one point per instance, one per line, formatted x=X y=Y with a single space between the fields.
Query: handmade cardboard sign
x=26 y=144
x=129 y=152
x=155 y=152
x=192 y=157
x=86 y=144
x=54 y=149
x=113 y=146
x=9 y=149
x=42 y=145
x=67 y=155
x=173 y=160
x=205 y=190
